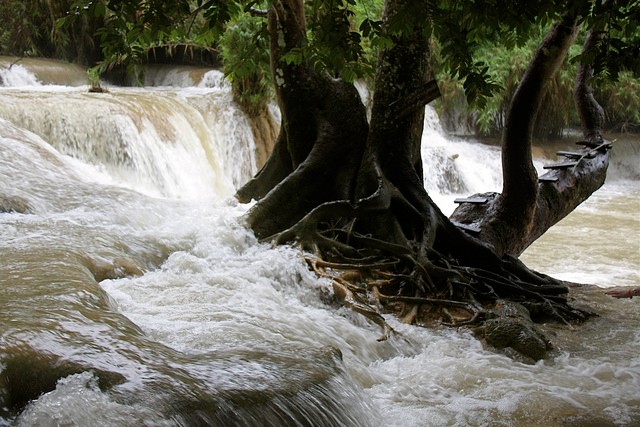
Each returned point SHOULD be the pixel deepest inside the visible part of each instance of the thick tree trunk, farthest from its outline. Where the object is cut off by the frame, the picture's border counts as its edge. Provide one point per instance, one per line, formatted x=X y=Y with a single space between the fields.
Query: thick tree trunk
x=519 y=175
x=403 y=87
x=322 y=134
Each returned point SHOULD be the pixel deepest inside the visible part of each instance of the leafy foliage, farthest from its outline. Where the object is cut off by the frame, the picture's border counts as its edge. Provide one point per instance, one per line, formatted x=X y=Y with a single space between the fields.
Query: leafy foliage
x=333 y=44
x=29 y=28
x=245 y=53
x=620 y=48
x=621 y=101
x=133 y=29
x=507 y=66
x=462 y=27
x=483 y=46
x=342 y=38
x=506 y=41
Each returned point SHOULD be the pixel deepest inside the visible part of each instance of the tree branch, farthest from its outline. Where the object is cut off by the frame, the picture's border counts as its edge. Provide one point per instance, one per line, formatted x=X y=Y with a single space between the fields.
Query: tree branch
x=519 y=175
x=417 y=98
x=590 y=111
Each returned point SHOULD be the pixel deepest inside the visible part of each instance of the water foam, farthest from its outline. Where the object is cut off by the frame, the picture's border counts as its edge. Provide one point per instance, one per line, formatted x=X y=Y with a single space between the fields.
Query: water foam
x=165 y=144
x=78 y=401
x=17 y=75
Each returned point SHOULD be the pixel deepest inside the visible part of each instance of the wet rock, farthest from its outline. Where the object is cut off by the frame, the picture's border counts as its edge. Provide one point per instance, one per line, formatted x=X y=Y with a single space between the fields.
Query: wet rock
x=27 y=374
x=116 y=269
x=512 y=329
x=518 y=335
x=14 y=204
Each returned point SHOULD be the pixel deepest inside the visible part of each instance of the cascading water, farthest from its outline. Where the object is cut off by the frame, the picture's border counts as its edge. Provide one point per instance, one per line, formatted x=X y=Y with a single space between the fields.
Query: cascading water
x=15 y=75
x=166 y=143
x=456 y=166
x=133 y=295
x=28 y=72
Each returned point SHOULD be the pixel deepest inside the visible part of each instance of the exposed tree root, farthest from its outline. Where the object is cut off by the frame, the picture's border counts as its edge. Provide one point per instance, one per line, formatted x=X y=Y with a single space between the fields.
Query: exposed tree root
x=351 y=295
x=417 y=282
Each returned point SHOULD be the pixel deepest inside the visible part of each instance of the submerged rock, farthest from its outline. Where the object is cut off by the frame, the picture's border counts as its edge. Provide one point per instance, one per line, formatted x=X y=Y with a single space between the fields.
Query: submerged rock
x=513 y=330
x=14 y=204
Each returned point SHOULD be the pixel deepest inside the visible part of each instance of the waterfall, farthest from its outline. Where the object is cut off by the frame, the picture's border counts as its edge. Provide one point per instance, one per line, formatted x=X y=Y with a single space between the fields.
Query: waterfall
x=454 y=166
x=16 y=75
x=181 y=136
x=178 y=143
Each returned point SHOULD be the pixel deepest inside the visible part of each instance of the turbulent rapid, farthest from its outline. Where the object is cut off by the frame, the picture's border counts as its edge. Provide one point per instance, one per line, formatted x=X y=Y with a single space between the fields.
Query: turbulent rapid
x=132 y=293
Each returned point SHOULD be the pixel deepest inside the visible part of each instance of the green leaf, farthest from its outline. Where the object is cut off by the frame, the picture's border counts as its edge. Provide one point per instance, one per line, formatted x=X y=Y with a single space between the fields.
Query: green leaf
x=293 y=57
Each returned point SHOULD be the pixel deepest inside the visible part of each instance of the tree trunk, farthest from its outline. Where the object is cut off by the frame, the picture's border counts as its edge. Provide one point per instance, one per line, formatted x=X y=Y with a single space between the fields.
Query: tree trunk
x=403 y=87
x=322 y=135
x=591 y=113
x=353 y=192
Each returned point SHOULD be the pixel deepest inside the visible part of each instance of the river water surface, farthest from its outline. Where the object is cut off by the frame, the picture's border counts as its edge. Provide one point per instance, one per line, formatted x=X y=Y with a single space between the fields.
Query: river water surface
x=132 y=294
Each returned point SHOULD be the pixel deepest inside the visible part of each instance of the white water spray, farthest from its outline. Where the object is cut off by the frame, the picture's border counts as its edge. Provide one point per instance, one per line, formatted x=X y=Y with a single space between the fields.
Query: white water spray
x=191 y=143
x=15 y=75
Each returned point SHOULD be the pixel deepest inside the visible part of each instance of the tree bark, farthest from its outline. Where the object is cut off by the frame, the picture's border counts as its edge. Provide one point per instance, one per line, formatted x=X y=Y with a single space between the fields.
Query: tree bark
x=322 y=134
x=527 y=207
x=519 y=175
x=590 y=111
x=403 y=87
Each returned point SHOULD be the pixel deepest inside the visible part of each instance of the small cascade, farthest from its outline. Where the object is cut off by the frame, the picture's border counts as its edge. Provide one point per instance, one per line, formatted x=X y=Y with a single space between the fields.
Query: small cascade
x=181 y=76
x=181 y=136
x=453 y=166
x=214 y=79
x=625 y=158
x=230 y=125
x=16 y=75
x=155 y=144
x=189 y=143
x=22 y=72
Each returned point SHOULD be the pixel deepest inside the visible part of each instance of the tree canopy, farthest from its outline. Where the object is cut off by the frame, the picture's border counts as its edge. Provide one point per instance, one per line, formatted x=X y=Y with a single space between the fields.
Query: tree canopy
x=480 y=48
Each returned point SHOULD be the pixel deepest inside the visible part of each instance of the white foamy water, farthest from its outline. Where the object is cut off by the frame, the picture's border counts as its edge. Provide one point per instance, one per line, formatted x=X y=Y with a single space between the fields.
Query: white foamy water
x=213 y=302
x=16 y=75
x=189 y=143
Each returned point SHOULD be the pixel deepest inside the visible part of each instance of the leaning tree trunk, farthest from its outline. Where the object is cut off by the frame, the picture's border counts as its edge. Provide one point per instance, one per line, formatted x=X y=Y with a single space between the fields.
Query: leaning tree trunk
x=528 y=206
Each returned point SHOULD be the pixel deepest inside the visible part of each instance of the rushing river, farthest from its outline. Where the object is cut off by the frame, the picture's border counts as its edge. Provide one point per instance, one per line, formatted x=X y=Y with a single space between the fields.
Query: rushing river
x=131 y=294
